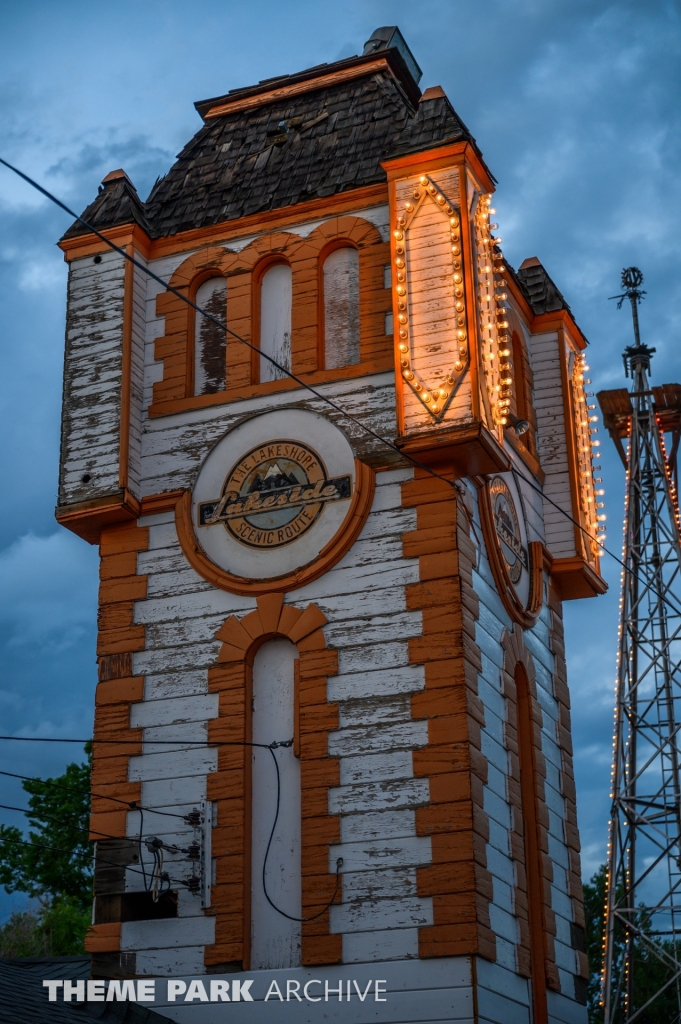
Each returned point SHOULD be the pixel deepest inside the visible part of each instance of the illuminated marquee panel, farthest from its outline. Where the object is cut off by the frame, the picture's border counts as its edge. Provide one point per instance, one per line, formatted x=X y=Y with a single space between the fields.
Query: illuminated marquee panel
x=594 y=518
x=428 y=240
x=495 y=347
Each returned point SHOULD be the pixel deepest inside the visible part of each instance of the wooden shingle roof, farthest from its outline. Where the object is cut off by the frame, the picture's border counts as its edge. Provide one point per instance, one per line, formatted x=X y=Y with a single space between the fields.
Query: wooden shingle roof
x=540 y=289
x=283 y=151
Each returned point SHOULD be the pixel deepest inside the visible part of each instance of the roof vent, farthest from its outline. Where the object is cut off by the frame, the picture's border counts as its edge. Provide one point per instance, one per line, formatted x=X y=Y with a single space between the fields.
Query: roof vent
x=388 y=38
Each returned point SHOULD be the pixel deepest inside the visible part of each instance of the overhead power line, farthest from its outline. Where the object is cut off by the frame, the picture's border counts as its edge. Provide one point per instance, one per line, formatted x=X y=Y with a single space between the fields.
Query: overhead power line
x=69 y=853
x=282 y=369
x=227 y=330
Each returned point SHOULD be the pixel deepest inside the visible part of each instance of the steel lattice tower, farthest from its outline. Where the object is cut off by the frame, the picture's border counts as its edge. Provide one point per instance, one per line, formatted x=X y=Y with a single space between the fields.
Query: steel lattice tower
x=642 y=955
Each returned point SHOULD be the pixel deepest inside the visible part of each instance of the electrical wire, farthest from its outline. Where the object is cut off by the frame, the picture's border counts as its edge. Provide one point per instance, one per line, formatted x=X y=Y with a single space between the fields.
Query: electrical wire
x=59 y=821
x=227 y=330
x=584 y=529
x=69 y=853
x=332 y=404
x=157 y=870
x=132 y=805
x=339 y=862
x=282 y=369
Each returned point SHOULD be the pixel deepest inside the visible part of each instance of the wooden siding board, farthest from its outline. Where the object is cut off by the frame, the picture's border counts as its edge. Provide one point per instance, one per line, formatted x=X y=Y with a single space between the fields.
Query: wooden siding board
x=378 y=914
x=375 y=682
x=174 y=446
x=92 y=379
x=551 y=441
x=392 y=794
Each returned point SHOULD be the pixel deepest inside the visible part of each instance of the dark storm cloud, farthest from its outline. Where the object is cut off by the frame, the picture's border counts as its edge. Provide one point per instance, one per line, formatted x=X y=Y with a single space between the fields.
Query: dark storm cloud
x=576 y=108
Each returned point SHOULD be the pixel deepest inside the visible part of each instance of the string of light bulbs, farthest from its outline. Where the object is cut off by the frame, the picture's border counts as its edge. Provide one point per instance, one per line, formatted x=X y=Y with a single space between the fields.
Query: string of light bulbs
x=323 y=398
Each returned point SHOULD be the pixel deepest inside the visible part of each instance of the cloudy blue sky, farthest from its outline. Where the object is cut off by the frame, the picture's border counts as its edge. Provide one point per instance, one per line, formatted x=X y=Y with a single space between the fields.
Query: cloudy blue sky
x=575 y=104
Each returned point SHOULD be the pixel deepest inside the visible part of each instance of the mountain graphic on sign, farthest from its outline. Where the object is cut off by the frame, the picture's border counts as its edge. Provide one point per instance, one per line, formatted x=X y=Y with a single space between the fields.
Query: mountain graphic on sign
x=273 y=479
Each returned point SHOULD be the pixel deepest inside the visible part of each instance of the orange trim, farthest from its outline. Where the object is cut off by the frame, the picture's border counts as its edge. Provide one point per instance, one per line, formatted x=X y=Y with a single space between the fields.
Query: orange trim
x=325 y=560
x=532 y=839
x=530 y=842
x=87 y=519
x=126 y=361
x=117 y=637
x=103 y=938
x=174 y=405
x=163 y=502
x=570 y=440
x=122 y=236
x=472 y=449
x=525 y=617
x=471 y=297
x=311 y=85
x=296 y=707
x=213 y=234
x=442 y=156
x=244 y=268
x=453 y=762
x=575 y=578
x=399 y=380
x=545 y=322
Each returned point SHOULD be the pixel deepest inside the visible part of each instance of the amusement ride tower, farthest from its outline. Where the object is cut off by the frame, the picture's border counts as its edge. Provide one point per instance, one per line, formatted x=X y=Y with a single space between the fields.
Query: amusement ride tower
x=642 y=956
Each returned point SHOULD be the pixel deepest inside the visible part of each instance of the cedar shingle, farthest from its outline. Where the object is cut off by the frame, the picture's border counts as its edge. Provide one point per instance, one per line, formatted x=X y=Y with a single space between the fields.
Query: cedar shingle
x=242 y=163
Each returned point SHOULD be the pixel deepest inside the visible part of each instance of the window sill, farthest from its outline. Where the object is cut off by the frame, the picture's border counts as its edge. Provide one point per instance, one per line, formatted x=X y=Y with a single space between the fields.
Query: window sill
x=176 y=405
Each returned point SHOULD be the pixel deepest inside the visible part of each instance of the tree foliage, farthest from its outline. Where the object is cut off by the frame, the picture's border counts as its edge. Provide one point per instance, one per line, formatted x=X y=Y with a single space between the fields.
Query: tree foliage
x=650 y=974
x=594 y=904
x=52 y=864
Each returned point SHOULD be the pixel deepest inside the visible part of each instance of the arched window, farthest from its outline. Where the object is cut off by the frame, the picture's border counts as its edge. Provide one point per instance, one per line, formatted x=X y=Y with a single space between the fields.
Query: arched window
x=341 y=308
x=276 y=290
x=533 y=866
x=210 y=342
x=275 y=940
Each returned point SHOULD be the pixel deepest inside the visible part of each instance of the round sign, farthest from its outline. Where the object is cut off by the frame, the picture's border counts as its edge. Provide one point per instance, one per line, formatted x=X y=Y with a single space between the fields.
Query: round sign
x=515 y=560
x=507 y=527
x=273 y=493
